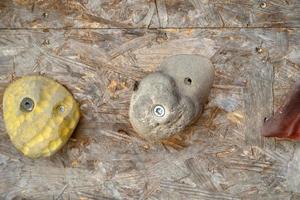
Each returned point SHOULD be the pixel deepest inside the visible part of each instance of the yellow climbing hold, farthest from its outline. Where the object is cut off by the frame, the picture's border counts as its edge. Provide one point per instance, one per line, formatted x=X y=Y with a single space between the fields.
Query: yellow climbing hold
x=39 y=114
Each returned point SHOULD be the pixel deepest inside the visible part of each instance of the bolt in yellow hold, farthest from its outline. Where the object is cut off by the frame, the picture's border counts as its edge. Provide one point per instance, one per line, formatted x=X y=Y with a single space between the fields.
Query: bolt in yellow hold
x=33 y=121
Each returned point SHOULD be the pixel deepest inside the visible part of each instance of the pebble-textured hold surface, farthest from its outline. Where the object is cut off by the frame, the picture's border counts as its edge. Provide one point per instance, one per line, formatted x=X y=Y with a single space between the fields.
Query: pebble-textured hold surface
x=44 y=128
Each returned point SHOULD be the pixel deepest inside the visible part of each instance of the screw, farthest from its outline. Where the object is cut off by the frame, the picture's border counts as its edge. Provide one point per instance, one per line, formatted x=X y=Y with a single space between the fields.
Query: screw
x=61 y=109
x=159 y=111
x=46 y=42
x=259 y=50
x=263 y=5
x=27 y=104
x=45 y=15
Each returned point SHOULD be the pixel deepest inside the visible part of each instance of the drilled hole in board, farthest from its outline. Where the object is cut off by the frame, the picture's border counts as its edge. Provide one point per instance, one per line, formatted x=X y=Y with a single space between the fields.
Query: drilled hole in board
x=188 y=81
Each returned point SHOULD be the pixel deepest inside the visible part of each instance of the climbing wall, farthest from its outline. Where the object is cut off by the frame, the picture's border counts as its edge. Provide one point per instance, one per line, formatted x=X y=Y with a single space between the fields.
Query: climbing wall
x=99 y=49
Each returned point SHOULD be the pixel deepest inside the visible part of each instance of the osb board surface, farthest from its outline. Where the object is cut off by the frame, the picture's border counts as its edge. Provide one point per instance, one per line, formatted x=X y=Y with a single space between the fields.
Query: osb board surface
x=148 y=13
x=221 y=156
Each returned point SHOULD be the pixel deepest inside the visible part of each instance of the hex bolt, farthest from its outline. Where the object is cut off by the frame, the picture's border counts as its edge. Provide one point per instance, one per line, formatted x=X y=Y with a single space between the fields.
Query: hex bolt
x=27 y=104
x=159 y=111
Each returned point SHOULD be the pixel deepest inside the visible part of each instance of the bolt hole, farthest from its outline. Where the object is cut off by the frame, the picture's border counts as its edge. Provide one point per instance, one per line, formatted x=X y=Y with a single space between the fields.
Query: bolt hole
x=188 y=81
x=265 y=119
x=136 y=86
x=45 y=15
x=46 y=42
x=259 y=50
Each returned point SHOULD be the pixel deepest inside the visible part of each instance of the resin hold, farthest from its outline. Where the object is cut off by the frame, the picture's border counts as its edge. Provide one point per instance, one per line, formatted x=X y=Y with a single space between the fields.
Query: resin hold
x=39 y=114
x=286 y=121
x=170 y=99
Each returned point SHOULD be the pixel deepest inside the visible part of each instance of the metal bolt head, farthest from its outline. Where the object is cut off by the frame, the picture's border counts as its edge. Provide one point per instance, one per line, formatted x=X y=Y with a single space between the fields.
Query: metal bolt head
x=263 y=5
x=27 y=104
x=61 y=108
x=159 y=111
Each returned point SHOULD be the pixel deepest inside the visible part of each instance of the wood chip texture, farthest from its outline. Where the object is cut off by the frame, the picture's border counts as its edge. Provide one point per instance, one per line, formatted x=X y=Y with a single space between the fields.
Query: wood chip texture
x=100 y=49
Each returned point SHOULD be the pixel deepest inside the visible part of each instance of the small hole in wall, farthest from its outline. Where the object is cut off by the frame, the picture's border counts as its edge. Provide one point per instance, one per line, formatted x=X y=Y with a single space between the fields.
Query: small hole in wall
x=122 y=131
x=136 y=86
x=188 y=81
x=258 y=50
x=27 y=104
x=265 y=119
x=45 y=15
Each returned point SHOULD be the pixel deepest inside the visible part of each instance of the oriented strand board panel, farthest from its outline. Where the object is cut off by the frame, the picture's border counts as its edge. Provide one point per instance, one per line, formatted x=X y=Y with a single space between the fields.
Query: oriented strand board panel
x=97 y=50
x=148 y=13
x=222 y=156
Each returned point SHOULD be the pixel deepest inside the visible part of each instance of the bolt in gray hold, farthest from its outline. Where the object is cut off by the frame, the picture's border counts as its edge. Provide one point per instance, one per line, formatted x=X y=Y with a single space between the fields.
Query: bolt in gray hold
x=170 y=99
x=159 y=111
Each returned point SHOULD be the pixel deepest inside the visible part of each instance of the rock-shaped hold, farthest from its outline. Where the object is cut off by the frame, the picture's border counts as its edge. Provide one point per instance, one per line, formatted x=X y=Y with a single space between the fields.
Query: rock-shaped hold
x=39 y=114
x=168 y=100
x=286 y=121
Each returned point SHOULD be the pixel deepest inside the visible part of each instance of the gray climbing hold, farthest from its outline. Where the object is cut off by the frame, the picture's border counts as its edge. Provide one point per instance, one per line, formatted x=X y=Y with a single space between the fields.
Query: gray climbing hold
x=168 y=100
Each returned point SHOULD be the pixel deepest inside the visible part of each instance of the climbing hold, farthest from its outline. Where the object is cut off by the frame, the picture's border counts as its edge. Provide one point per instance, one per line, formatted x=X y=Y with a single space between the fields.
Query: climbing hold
x=168 y=100
x=286 y=121
x=39 y=114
